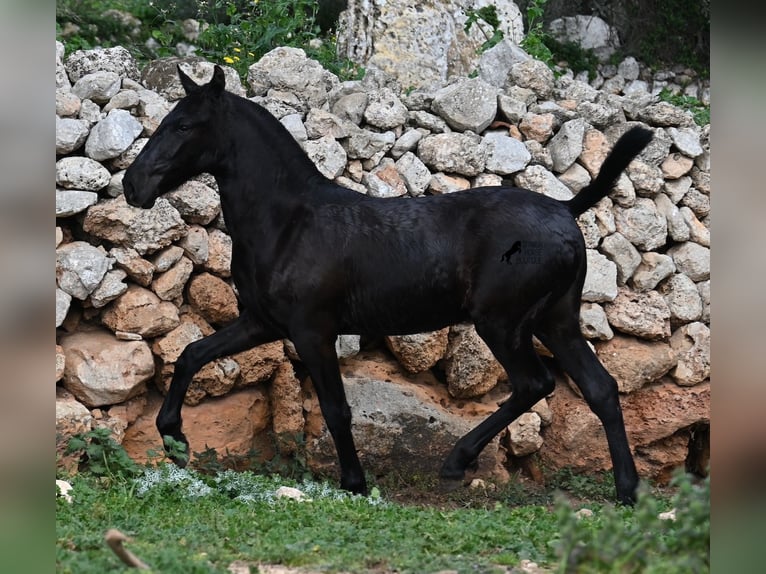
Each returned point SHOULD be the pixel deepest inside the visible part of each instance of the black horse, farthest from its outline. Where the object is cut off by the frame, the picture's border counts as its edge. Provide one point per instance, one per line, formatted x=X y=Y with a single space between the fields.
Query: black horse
x=312 y=259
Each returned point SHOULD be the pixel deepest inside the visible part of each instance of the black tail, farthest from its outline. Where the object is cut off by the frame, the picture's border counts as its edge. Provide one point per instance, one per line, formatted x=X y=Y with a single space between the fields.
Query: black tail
x=625 y=150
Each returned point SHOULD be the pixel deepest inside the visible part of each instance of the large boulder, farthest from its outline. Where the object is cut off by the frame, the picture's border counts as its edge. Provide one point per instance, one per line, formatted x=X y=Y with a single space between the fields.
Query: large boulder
x=421 y=44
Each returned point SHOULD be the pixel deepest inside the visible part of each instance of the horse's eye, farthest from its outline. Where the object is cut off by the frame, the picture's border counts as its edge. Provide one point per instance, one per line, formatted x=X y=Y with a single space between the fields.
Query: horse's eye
x=183 y=127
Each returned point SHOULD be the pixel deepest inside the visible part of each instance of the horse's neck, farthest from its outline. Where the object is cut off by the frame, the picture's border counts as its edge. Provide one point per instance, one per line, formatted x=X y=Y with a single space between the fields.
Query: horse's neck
x=260 y=160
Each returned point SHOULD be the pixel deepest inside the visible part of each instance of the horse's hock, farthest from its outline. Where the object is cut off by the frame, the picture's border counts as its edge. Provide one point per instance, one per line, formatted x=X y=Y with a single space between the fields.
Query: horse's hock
x=134 y=287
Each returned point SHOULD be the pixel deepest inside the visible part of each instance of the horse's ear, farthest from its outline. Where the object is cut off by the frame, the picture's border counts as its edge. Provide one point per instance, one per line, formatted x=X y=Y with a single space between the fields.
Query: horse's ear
x=218 y=82
x=188 y=84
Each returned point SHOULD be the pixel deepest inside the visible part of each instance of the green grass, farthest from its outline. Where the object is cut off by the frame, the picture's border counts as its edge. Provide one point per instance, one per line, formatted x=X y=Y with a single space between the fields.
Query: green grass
x=190 y=521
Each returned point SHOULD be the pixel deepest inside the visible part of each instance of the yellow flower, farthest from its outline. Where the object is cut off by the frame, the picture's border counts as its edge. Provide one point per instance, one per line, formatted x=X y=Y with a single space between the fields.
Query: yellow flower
x=237 y=50
x=228 y=60
x=236 y=58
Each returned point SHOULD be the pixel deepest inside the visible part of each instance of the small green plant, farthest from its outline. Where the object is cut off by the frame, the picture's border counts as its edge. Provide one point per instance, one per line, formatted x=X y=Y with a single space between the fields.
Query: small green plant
x=248 y=31
x=700 y=111
x=102 y=456
x=598 y=486
x=487 y=14
x=577 y=59
x=636 y=540
x=535 y=40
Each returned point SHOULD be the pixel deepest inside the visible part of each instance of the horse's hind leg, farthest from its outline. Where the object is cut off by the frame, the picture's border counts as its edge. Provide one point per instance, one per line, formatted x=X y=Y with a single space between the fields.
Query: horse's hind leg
x=530 y=380
x=239 y=335
x=560 y=332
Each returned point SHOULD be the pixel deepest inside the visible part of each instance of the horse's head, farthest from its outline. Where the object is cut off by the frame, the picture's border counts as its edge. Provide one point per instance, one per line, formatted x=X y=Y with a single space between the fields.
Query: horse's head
x=181 y=147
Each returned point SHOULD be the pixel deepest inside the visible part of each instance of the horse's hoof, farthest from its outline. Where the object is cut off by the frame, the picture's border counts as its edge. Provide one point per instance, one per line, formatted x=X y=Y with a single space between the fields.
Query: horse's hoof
x=176 y=449
x=447 y=485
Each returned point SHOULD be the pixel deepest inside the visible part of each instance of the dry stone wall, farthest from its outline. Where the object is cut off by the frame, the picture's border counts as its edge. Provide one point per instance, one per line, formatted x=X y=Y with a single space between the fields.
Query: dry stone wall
x=134 y=287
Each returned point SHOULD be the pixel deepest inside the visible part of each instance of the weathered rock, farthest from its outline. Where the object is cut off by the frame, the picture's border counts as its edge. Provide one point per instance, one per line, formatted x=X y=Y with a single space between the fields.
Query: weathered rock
x=467 y=105
x=624 y=255
x=365 y=144
x=470 y=367
x=588 y=32
x=72 y=201
x=692 y=259
x=654 y=268
x=385 y=180
x=80 y=267
x=691 y=344
x=419 y=352
x=63 y=301
x=97 y=86
x=421 y=45
x=505 y=155
x=237 y=433
x=400 y=422
x=594 y=323
x=259 y=364
x=289 y=69
x=453 y=153
x=642 y=225
x=654 y=415
x=195 y=245
x=138 y=269
x=643 y=314
x=196 y=202
x=213 y=298
x=384 y=109
x=145 y=230
x=635 y=363
x=539 y=179
x=112 y=135
x=286 y=405
x=534 y=75
x=347 y=345
x=60 y=362
x=117 y=60
x=328 y=156
x=683 y=299
x=72 y=418
x=414 y=172
x=524 y=434
x=219 y=253
x=111 y=287
x=566 y=145
x=71 y=133
x=82 y=173
x=169 y=285
x=140 y=311
x=102 y=370
x=600 y=278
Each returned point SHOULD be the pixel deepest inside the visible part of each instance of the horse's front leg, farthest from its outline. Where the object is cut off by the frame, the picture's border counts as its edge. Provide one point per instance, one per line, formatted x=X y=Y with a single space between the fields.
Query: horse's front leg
x=317 y=352
x=240 y=335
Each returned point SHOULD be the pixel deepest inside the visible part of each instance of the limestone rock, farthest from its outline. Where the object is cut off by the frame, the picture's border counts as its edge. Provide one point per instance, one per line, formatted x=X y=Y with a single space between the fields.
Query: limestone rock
x=102 y=370
x=635 y=363
x=145 y=230
x=469 y=365
x=692 y=345
x=236 y=433
x=419 y=352
x=80 y=268
x=140 y=311
x=72 y=418
x=643 y=314
x=213 y=298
